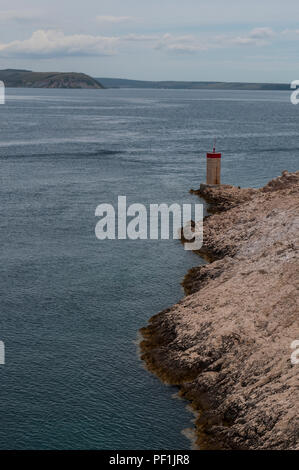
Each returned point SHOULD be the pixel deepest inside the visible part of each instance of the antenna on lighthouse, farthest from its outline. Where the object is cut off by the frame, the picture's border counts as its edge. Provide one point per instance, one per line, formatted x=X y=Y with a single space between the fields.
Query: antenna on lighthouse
x=214 y=146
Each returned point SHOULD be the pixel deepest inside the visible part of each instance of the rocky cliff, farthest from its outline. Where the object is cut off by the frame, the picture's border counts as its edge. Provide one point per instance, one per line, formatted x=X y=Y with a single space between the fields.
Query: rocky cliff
x=227 y=344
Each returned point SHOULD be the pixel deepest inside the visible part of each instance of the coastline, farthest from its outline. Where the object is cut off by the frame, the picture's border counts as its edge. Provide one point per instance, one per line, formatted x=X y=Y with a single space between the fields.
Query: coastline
x=226 y=345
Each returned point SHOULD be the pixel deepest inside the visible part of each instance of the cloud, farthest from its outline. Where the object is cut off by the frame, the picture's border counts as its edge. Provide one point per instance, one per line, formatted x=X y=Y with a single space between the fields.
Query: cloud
x=261 y=33
x=180 y=44
x=141 y=37
x=115 y=19
x=290 y=33
x=257 y=37
x=52 y=43
x=18 y=15
x=193 y=44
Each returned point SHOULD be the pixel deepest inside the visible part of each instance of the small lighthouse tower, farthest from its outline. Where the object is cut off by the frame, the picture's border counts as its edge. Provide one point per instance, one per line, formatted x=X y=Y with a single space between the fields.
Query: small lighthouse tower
x=213 y=166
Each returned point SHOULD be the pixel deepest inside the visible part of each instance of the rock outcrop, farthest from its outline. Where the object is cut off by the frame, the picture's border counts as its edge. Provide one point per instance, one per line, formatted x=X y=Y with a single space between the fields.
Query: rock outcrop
x=227 y=344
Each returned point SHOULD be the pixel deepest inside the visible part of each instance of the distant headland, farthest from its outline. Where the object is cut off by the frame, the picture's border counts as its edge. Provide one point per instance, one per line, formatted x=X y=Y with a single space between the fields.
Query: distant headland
x=124 y=83
x=29 y=79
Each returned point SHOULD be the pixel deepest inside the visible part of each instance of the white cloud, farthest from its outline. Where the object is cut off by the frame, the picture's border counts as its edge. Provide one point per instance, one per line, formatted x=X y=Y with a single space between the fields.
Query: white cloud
x=260 y=33
x=52 y=43
x=257 y=37
x=141 y=37
x=114 y=19
x=18 y=15
x=192 y=44
x=180 y=44
x=290 y=33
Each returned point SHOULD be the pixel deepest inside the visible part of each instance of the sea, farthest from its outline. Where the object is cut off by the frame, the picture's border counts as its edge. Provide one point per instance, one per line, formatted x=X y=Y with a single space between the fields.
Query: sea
x=71 y=305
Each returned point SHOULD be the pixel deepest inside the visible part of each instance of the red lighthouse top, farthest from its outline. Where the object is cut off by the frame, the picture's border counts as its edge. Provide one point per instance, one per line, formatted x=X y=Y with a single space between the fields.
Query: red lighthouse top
x=214 y=154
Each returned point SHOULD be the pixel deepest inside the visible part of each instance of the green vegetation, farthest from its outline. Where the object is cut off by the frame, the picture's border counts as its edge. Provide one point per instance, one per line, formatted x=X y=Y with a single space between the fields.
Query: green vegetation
x=124 y=83
x=29 y=79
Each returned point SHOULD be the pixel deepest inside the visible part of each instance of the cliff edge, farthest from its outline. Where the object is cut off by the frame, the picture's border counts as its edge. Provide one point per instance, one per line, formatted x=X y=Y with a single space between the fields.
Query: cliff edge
x=227 y=344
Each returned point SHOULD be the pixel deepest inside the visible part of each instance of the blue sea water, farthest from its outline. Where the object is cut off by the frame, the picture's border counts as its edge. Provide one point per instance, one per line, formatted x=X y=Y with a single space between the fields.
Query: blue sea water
x=71 y=305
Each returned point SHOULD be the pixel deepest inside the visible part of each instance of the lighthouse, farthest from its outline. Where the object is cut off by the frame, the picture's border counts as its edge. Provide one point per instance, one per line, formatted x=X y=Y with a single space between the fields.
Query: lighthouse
x=213 y=166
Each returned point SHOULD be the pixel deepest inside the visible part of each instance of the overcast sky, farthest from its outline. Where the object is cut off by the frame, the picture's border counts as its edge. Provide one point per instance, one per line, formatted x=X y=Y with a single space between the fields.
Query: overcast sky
x=231 y=40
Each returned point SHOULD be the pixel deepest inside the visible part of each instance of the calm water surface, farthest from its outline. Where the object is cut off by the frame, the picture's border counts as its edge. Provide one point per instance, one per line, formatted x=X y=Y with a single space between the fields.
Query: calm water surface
x=71 y=305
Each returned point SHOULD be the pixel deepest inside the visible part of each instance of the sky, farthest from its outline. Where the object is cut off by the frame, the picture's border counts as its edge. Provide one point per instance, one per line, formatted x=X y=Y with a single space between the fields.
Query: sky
x=214 y=40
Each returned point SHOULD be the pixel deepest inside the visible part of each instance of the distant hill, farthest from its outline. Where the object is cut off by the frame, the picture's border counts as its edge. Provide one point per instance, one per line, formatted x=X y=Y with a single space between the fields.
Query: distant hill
x=125 y=83
x=29 y=79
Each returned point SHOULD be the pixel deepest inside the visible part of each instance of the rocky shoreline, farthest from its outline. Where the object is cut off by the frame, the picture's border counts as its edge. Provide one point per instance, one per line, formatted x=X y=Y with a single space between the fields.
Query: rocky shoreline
x=227 y=344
